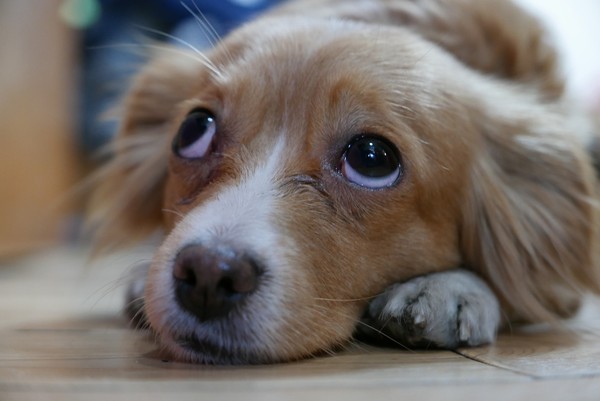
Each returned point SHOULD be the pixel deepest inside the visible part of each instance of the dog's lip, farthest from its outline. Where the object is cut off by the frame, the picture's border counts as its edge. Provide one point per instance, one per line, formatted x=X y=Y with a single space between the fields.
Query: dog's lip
x=208 y=351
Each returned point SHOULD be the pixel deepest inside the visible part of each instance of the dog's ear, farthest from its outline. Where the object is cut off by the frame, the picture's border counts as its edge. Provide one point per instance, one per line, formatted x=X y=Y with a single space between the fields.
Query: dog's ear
x=495 y=37
x=530 y=215
x=126 y=204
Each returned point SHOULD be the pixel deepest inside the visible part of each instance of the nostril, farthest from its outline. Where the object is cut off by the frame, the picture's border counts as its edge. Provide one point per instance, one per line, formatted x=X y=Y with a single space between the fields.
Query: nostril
x=210 y=282
x=227 y=285
x=184 y=273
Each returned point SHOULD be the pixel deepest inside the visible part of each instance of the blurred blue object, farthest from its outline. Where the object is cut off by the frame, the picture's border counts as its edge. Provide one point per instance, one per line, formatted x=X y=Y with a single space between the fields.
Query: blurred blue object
x=112 y=51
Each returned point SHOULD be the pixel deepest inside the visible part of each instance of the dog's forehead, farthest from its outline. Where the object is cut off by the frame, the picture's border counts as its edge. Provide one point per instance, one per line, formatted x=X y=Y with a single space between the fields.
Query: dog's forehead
x=298 y=58
x=306 y=78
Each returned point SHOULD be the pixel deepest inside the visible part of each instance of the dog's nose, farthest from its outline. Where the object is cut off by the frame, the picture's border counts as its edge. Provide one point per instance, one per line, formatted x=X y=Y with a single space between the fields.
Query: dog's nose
x=211 y=282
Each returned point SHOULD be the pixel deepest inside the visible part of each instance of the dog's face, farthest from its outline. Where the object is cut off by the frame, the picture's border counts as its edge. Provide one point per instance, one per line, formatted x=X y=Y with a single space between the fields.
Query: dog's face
x=302 y=166
x=316 y=176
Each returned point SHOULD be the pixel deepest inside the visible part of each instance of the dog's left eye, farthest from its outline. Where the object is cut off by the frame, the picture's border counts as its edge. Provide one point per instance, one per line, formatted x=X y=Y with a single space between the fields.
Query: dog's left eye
x=371 y=162
x=195 y=136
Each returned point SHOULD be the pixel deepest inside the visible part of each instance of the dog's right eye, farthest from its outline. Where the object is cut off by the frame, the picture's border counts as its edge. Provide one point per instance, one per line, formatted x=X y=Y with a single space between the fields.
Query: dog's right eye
x=371 y=162
x=195 y=136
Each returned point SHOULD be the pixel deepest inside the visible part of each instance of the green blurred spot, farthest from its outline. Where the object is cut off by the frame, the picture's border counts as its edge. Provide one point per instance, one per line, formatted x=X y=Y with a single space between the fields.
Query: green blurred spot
x=80 y=14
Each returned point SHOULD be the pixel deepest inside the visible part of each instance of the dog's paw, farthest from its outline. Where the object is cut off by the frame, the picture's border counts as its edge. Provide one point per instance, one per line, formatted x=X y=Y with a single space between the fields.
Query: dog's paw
x=443 y=310
x=134 y=297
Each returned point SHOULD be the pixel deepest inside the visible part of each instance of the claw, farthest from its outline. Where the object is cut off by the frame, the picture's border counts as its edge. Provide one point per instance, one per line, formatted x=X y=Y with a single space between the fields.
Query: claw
x=464 y=332
x=420 y=321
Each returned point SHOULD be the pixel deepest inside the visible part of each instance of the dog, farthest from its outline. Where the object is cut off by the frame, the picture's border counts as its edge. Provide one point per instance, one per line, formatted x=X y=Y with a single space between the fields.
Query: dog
x=405 y=170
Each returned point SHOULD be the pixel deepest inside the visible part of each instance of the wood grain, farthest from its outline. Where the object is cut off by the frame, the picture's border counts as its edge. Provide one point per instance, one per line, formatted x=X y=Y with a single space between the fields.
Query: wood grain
x=62 y=338
x=569 y=350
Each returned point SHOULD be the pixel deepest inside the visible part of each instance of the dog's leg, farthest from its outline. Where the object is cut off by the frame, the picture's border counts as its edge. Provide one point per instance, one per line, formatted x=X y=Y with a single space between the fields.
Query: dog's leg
x=443 y=310
x=134 y=297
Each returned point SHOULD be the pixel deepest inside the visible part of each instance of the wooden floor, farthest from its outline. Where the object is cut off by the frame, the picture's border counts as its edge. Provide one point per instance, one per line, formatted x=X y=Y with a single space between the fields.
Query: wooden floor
x=62 y=338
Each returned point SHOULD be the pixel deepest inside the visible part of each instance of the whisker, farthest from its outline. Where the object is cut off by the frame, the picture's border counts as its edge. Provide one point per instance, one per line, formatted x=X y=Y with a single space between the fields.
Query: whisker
x=134 y=300
x=359 y=345
x=115 y=45
x=104 y=291
x=422 y=57
x=205 y=26
x=330 y=352
x=203 y=60
x=217 y=38
x=207 y=62
x=175 y=212
x=381 y=333
x=111 y=287
x=346 y=299
x=137 y=321
x=322 y=311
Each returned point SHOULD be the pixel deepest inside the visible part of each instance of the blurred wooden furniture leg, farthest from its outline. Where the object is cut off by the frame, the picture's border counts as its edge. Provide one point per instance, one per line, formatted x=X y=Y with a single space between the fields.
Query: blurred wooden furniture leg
x=38 y=162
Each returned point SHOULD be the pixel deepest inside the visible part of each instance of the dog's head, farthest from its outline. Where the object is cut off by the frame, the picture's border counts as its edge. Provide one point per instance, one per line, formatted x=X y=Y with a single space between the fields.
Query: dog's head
x=304 y=165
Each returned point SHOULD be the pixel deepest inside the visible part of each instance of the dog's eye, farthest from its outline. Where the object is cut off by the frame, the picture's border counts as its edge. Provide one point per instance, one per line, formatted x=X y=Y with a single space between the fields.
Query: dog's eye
x=195 y=135
x=371 y=162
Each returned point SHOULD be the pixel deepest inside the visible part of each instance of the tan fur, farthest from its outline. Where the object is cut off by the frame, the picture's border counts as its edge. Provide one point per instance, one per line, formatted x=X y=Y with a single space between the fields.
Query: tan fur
x=496 y=177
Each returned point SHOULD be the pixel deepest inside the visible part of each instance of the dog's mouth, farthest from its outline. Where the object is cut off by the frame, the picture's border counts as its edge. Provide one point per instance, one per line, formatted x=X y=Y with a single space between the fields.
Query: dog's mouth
x=219 y=305
x=208 y=352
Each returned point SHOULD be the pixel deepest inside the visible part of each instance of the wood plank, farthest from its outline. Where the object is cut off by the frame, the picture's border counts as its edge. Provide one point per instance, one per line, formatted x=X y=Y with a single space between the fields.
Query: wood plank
x=581 y=390
x=62 y=338
x=569 y=350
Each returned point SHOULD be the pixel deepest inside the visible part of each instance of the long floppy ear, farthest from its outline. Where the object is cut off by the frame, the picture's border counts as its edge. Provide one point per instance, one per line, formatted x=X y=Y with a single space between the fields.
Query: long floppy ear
x=127 y=201
x=530 y=215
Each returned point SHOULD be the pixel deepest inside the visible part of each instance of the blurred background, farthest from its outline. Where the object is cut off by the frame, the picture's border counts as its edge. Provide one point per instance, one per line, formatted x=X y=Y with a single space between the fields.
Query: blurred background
x=64 y=63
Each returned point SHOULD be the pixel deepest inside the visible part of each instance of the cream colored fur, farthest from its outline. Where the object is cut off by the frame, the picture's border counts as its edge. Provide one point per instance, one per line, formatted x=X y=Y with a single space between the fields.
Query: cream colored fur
x=499 y=177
